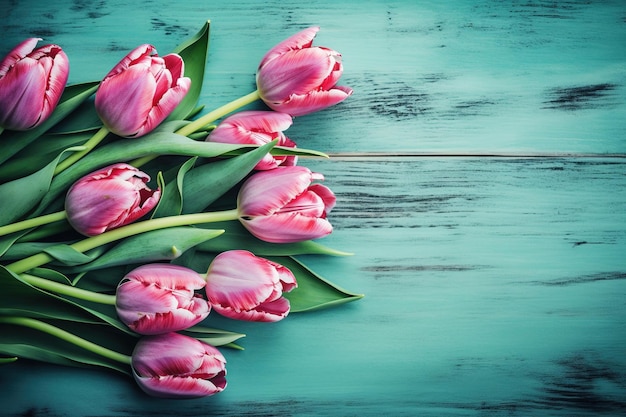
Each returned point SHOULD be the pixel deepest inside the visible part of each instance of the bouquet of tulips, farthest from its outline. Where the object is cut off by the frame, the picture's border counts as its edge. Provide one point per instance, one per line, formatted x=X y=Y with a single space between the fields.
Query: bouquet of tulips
x=129 y=215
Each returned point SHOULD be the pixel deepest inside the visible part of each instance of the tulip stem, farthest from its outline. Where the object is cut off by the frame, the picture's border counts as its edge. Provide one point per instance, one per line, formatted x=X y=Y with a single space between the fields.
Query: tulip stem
x=88 y=146
x=59 y=288
x=42 y=258
x=68 y=337
x=34 y=222
x=218 y=113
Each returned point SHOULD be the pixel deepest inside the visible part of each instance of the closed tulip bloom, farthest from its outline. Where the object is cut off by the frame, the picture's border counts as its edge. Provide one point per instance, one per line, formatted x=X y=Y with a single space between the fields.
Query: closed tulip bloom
x=141 y=91
x=297 y=78
x=257 y=128
x=172 y=365
x=31 y=83
x=161 y=298
x=109 y=198
x=243 y=286
x=284 y=205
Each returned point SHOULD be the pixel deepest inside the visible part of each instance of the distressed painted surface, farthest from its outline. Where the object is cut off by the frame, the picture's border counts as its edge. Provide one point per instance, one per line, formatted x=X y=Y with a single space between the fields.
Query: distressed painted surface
x=495 y=286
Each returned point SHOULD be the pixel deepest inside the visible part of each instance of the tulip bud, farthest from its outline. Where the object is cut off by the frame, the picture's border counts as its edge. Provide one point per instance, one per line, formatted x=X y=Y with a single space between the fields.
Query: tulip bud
x=297 y=78
x=257 y=128
x=172 y=365
x=31 y=83
x=243 y=286
x=141 y=91
x=108 y=198
x=161 y=298
x=283 y=205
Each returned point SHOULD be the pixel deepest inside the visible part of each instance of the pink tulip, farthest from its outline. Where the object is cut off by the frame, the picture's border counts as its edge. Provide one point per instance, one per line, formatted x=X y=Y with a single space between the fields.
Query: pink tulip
x=297 y=78
x=141 y=91
x=257 y=128
x=31 y=83
x=161 y=298
x=243 y=286
x=282 y=205
x=108 y=198
x=172 y=365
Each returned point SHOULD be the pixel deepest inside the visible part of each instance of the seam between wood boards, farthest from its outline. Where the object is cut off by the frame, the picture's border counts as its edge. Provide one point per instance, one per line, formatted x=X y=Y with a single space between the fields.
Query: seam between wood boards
x=512 y=155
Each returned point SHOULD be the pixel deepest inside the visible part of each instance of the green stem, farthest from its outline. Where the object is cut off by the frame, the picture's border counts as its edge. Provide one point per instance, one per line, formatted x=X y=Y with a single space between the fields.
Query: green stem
x=34 y=222
x=89 y=145
x=64 y=289
x=217 y=113
x=68 y=337
x=42 y=258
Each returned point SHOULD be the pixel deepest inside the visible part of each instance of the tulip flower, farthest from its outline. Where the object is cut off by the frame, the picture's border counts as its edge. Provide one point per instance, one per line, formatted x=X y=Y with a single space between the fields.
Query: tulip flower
x=161 y=298
x=31 y=83
x=257 y=128
x=243 y=286
x=109 y=198
x=141 y=91
x=297 y=78
x=172 y=365
x=284 y=205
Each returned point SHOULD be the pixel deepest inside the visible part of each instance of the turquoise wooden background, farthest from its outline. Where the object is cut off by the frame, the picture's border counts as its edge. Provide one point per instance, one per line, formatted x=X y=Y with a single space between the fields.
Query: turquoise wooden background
x=481 y=179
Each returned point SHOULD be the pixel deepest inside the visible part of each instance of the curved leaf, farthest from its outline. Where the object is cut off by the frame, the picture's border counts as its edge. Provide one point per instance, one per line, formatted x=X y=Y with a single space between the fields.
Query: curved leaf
x=313 y=291
x=194 y=52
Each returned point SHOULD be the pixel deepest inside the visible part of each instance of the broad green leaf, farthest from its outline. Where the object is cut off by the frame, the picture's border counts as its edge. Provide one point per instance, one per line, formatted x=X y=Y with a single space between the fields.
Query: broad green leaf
x=39 y=153
x=73 y=96
x=313 y=291
x=67 y=255
x=42 y=304
x=171 y=201
x=194 y=52
x=214 y=337
x=38 y=345
x=237 y=237
x=157 y=245
x=206 y=183
x=23 y=194
x=84 y=118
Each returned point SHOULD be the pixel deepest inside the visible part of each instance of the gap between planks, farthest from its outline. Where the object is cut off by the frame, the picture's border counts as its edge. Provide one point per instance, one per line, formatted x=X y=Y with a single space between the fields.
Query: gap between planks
x=375 y=155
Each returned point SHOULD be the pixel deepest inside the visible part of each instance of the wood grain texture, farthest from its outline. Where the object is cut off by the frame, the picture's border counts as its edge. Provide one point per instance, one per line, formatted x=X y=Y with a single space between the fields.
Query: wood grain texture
x=495 y=286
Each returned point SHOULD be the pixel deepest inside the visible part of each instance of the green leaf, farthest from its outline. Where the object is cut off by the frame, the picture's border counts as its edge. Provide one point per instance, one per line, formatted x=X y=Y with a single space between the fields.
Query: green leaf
x=4 y=361
x=313 y=291
x=42 y=304
x=237 y=237
x=25 y=193
x=171 y=201
x=73 y=96
x=194 y=52
x=67 y=255
x=206 y=183
x=34 y=344
x=39 y=153
x=156 y=245
x=84 y=118
x=214 y=337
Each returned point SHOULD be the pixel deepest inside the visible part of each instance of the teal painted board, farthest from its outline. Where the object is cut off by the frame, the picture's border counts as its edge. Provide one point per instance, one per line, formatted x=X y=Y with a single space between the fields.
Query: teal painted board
x=429 y=76
x=494 y=287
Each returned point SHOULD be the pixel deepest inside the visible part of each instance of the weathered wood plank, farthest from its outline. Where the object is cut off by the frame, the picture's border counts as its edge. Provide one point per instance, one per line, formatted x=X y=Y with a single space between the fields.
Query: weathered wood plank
x=494 y=286
x=538 y=76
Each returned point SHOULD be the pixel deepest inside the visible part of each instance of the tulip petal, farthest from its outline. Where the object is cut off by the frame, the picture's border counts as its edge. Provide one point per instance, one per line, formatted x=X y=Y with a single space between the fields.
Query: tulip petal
x=287 y=227
x=268 y=191
x=266 y=312
x=295 y=73
x=141 y=52
x=124 y=101
x=300 y=40
x=312 y=102
x=179 y=387
x=165 y=106
x=19 y=52
x=22 y=92
x=239 y=280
